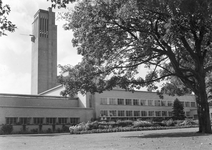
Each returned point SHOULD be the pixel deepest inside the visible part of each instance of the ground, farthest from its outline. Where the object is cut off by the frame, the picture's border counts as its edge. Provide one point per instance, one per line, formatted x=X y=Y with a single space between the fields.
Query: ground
x=173 y=139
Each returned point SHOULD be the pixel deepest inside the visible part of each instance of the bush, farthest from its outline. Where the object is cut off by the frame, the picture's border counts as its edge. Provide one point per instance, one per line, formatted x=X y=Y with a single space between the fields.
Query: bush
x=80 y=127
x=178 y=122
x=34 y=130
x=124 y=123
x=49 y=130
x=142 y=124
x=169 y=122
x=157 y=124
x=58 y=130
x=6 y=129
x=65 y=128
x=91 y=125
x=188 y=122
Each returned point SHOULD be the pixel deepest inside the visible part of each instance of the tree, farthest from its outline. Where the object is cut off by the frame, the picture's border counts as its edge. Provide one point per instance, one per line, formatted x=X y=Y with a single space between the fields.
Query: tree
x=171 y=38
x=178 y=110
x=5 y=24
x=61 y=3
x=175 y=87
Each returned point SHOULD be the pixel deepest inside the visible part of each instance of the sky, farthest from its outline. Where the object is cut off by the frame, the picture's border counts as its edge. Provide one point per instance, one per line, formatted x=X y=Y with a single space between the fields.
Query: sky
x=15 y=48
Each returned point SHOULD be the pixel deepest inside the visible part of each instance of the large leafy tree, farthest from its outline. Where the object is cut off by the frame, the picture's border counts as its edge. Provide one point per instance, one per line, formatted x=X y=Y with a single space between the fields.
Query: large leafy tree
x=5 y=24
x=178 y=110
x=115 y=37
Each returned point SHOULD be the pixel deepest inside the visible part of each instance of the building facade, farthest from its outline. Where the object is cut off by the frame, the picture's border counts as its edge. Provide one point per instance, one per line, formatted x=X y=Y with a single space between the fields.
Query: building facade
x=121 y=104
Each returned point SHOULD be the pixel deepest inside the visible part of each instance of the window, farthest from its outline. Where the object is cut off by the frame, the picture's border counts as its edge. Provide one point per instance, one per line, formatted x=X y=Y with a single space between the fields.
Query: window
x=103 y=113
x=38 y=120
x=112 y=113
x=112 y=101
x=170 y=103
x=24 y=120
x=128 y=113
x=150 y=102
x=163 y=103
x=151 y=113
x=143 y=113
x=157 y=102
x=193 y=104
x=143 y=102
x=135 y=102
x=164 y=113
x=187 y=104
x=50 y=120
x=11 y=120
x=104 y=101
x=128 y=102
x=74 y=120
x=136 y=113
x=121 y=113
x=120 y=101
x=62 y=120
x=170 y=113
x=157 y=113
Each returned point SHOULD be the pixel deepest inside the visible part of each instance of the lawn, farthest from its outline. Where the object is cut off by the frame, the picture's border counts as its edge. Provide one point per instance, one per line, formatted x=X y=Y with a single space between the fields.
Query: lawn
x=172 y=139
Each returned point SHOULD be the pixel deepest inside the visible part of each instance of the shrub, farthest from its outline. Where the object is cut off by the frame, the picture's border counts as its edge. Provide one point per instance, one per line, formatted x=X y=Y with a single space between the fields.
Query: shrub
x=188 y=122
x=65 y=129
x=124 y=123
x=178 y=122
x=157 y=119
x=157 y=124
x=91 y=125
x=169 y=122
x=80 y=127
x=58 y=130
x=49 y=130
x=6 y=129
x=142 y=124
x=34 y=130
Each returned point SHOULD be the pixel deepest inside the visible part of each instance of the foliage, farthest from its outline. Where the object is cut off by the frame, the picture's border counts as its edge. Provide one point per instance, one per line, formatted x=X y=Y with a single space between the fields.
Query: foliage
x=49 y=130
x=7 y=128
x=65 y=129
x=169 y=122
x=170 y=38
x=188 y=122
x=92 y=125
x=61 y=3
x=5 y=24
x=34 y=130
x=178 y=110
x=175 y=87
x=142 y=124
x=124 y=123
x=135 y=126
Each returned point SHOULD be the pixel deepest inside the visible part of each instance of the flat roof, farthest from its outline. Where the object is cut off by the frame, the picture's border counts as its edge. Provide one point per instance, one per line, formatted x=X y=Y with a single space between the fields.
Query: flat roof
x=33 y=96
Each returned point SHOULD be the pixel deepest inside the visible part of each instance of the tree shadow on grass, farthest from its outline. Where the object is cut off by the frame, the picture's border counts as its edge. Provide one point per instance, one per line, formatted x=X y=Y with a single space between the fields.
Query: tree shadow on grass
x=169 y=135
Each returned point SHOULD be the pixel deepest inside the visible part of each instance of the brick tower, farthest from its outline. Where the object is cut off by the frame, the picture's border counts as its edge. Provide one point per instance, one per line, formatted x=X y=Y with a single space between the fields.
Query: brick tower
x=44 y=52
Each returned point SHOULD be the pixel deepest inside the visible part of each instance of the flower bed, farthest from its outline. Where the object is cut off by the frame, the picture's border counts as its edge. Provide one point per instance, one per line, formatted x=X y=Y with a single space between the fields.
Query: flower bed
x=125 y=126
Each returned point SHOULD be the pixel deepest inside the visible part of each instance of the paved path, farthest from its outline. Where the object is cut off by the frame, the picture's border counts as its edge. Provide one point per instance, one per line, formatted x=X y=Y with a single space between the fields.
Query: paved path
x=174 y=139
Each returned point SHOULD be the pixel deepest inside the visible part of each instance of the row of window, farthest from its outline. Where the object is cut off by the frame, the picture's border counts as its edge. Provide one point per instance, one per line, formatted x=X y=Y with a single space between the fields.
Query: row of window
x=121 y=101
x=40 y=120
x=136 y=113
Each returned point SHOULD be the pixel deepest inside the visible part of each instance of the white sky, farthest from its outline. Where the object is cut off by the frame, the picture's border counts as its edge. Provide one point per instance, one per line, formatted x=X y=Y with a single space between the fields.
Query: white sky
x=15 y=49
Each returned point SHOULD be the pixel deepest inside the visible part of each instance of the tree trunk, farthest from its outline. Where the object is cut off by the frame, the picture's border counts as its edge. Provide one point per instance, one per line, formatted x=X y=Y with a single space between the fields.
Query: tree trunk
x=199 y=117
x=203 y=110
